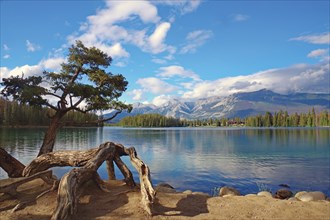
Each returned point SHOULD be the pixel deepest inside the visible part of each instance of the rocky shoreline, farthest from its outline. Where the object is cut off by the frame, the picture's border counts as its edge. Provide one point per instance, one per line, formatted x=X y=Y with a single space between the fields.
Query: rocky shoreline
x=283 y=194
x=121 y=202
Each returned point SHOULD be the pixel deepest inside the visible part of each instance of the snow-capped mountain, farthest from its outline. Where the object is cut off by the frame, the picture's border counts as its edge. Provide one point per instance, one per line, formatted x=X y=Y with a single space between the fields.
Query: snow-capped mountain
x=239 y=104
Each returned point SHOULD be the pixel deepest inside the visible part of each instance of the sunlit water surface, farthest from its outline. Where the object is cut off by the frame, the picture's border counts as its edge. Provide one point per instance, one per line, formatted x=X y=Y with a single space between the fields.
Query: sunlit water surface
x=201 y=159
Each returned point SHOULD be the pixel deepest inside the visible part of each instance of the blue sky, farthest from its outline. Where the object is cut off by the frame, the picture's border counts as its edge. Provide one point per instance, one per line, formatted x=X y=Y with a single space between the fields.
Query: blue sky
x=177 y=49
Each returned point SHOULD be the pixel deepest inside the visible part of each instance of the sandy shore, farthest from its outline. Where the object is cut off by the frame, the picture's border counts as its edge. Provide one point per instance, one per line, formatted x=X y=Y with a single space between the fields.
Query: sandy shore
x=122 y=203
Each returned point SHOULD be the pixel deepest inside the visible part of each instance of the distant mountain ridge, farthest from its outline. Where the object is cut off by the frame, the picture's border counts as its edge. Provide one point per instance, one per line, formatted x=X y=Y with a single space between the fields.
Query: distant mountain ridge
x=236 y=105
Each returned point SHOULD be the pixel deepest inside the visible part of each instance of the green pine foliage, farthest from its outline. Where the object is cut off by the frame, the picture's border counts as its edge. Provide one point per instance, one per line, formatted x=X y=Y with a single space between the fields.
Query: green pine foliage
x=14 y=114
x=150 y=120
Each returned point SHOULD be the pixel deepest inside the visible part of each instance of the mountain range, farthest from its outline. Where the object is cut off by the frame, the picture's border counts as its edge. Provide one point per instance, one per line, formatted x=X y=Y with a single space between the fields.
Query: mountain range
x=235 y=105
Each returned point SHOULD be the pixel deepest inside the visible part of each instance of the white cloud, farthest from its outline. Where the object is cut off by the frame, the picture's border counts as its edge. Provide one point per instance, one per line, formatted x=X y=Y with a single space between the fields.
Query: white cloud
x=53 y=64
x=161 y=100
x=298 y=78
x=106 y=28
x=318 y=53
x=137 y=94
x=177 y=71
x=26 y=70
x=31 y=47
x=155 y=85
x=5 y=47
x=6 y=56
x=156 y=39
x=183 y=6
x=314 y=39
x=240 y=17
x=196 y=39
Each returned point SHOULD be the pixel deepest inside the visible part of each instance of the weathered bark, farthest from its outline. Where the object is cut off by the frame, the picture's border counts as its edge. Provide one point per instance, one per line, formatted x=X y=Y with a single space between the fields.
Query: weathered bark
x=125 y=171
x=70 y=186
x=50 y=136
x=147 y=190
x=9 y=186
x=111 y=170
x=8 y=163
x=74 y=158
x=59 y=159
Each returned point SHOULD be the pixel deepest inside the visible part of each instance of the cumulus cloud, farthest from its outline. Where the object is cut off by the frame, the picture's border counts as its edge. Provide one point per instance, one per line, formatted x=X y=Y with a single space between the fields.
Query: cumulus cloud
x=25 y=70
x=161 y=100
x=106 y=29
x=6 y=56
x=155 y=85
x=31 y=47
x=137 y=94
x=53 y=64
x=298 y=78
x=196 y=39
x=177 y=71
x=323 y=38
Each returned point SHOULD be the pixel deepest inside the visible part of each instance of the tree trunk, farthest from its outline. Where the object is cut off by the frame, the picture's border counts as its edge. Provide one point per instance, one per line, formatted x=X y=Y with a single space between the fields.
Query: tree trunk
x=8 y=163
x=50 y=136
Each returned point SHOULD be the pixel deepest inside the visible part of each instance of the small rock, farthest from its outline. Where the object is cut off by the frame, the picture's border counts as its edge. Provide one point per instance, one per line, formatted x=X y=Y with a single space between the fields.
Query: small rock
x=187 y=192
x=227 y=190
x=311 y=196
x=299 y=194
x=317 y=195
x=165 y=187
x=265 y=193
x=283 y=194
x=284 y=185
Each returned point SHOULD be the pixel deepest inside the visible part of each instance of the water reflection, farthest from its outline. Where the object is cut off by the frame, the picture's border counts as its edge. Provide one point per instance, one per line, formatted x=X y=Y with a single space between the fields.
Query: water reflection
x=200 y=159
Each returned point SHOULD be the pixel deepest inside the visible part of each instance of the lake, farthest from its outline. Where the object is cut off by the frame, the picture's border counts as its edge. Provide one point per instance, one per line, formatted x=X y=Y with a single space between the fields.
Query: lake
x=201 y=159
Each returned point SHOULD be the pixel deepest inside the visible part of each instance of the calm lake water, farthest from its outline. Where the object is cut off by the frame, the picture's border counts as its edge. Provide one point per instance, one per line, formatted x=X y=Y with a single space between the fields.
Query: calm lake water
x=201 y=159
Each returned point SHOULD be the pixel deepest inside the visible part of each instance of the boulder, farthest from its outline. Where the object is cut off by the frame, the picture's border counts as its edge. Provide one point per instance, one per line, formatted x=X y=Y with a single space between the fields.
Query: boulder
x=228 y=191
x=283 y=194
x=311 y=196
x=265 y=194
x=299 y=194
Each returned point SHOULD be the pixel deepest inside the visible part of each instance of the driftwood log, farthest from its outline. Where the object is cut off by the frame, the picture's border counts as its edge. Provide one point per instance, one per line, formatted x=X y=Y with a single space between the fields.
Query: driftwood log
x=8 y=163
x=87 y=163
x=147 y=190
x=9 y=186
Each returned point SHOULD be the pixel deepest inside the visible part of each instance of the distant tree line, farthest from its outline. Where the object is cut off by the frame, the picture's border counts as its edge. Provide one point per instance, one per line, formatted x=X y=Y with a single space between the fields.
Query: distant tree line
x=150 y=120
x=14 y=114
x=279 y=119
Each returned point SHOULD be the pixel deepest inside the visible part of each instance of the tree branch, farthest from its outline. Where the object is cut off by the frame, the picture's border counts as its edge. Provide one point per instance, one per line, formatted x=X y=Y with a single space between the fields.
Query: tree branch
x=109 y=118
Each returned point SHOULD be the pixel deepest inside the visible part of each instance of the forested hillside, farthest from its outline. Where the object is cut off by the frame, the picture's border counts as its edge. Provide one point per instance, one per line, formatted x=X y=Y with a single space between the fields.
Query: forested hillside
x=150 y=120
x=278 y=119
x=15 y=114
